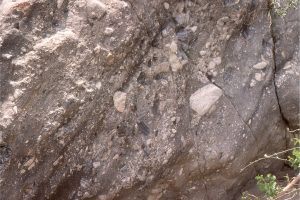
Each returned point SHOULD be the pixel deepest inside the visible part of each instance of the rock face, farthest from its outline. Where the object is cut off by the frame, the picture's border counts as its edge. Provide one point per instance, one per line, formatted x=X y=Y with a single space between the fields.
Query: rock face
x=286 y=34
x=157 y=99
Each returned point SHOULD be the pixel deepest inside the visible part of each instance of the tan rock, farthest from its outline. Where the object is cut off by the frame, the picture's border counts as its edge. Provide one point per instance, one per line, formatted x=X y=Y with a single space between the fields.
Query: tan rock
x=173 y=47
x=258 y=76
x=204 y=98
x=175 y=63
x=166 y=5
x=120 y=101
x=260 y=65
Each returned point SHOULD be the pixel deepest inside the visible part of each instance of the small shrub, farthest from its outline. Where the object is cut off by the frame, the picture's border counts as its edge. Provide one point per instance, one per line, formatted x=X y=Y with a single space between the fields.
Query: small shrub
x=267 y=184
x=294 y=159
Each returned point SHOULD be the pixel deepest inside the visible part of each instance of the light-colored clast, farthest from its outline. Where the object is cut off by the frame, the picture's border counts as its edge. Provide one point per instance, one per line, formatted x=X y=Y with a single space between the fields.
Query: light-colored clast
x=204 y=98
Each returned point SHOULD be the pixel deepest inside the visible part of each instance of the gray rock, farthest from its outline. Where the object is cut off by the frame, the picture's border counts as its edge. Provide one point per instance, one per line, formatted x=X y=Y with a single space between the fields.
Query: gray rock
x=286 y=34
x=64 y=136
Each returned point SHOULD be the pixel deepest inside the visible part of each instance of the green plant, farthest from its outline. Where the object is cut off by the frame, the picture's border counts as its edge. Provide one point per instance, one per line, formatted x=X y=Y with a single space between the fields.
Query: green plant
x=294 y=159
x=267 y=184
x=281 y=7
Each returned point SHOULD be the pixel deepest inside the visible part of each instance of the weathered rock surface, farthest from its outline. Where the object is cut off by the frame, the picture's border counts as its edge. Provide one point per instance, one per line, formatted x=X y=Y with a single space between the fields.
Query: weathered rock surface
x=98 y=97
x=286 y=34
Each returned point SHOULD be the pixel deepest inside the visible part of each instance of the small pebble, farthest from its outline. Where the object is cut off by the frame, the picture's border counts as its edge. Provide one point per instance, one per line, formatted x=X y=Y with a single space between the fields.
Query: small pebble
x=108 y=31
x=211 y=65
x=180 y=172
x=96 y=164
x=57 y=161
x=258 y=76
x=1 y=139
x=220 y=23
x=182 y=18
x=29 y=162
x=119 y=99
x=59 y=3
x=252 y=83
x=202 y=53
x=116 y=157
x=164 y=33
x=149 y=142
x=173 y=47
x=260 y=65
x=98 y=85
x=175 y=63
x=214 y=73
x=166 y=5
x=217 y=60
x=207 y=45
x=169 y=151
x=194 y=28
x=287 y=65
x=6 y=56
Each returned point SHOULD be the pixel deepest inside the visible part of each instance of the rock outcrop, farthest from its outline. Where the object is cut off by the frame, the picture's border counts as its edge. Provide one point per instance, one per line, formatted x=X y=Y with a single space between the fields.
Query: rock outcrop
x=142 y=99
x=286 y=53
